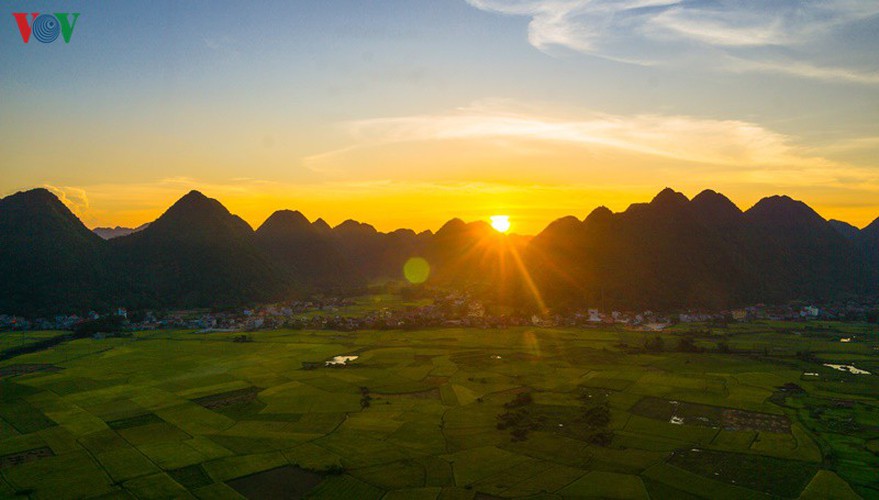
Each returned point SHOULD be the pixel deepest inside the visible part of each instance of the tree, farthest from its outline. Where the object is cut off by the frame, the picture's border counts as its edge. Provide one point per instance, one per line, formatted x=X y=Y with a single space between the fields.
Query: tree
x=655 y=344
x=686 y=344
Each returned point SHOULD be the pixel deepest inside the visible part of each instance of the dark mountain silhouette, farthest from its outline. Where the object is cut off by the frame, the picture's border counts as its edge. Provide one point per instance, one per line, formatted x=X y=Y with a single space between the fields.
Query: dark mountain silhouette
x=49 y=261
x=376 y=255
x=674 y=253
x=108 y=233
x=667 y=254
x=803 y=255
x=197 y=254
x=653 y=255
x=308 y=252
x=847 y=230
x=869 y=242
x=462 y=253
x=872 y=230
x=322 y=226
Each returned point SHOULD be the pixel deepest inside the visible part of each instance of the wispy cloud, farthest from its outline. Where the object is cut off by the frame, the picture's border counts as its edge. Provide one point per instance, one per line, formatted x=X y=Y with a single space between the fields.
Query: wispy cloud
x=676 y=145
x=75 y=198
x=783 y=36
x=719 y=142
x=805 y=70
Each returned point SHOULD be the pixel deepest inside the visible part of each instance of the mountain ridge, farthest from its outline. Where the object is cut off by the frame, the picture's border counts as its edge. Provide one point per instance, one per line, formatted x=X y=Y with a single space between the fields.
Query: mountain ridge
x=670 y=252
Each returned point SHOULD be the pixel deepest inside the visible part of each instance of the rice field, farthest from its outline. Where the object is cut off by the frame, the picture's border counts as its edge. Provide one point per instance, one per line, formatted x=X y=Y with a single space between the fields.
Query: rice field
x=443 y=413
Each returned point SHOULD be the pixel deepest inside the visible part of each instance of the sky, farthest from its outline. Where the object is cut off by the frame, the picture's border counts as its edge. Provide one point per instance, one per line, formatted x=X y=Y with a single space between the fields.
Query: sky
x=406 y=113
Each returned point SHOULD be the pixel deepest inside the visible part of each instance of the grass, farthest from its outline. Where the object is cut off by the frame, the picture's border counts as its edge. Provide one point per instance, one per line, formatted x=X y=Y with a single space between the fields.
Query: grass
x=9 y=340
x=170 y=413
x=784 y=478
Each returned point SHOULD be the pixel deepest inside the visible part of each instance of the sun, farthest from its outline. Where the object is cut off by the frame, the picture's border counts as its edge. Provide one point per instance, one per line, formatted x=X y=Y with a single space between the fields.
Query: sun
x=500 y=223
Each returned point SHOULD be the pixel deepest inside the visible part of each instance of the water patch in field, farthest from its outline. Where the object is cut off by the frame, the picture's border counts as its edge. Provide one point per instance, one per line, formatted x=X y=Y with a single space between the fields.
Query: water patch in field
x=847 y=368
x=340 y=360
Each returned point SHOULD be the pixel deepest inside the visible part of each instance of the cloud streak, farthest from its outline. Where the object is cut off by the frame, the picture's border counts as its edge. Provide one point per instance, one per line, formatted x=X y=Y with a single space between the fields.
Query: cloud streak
x=691 y=139
x=75 y=198
x=782 y=36
x=651 y=145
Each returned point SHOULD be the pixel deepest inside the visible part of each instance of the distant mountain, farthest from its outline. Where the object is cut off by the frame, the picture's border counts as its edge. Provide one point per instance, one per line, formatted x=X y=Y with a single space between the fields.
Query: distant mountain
x=197 y=254
x=49 y=261
x=308 y=252
x=847 y=230
x=705 y=252
x=669 y=253
x=466 y=253
x=869 y=241
x=653 y=255
x=108 y=233
x=803 y=255
x=374 y=254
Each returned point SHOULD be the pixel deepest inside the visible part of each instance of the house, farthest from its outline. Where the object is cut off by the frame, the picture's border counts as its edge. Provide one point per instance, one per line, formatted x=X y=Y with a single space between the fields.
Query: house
x=809 y=312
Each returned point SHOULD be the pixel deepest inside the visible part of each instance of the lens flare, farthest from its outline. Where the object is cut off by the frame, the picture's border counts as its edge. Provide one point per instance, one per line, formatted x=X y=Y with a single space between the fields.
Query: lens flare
x=416 y=270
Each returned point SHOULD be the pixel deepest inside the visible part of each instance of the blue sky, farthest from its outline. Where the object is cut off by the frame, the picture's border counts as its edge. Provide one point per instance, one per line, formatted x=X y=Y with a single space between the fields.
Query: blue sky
x=538 y=108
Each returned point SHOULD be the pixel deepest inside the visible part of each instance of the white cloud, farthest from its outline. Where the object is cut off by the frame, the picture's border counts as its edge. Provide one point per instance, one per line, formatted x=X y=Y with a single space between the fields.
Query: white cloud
x=663 y=145
x=806 y=70
x=75 y=198
x=779 y=36
x=718 y=142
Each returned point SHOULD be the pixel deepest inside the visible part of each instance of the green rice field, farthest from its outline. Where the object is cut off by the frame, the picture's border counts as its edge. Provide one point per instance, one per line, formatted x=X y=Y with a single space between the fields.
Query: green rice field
x=443 y=414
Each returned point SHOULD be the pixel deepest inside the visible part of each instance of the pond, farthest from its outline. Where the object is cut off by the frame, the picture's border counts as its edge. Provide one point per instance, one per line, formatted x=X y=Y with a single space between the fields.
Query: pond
x=847 y=368
x=340 y=360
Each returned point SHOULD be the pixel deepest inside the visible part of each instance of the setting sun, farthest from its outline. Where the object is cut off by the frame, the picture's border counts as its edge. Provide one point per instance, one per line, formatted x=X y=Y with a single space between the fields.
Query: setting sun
x=500 y=223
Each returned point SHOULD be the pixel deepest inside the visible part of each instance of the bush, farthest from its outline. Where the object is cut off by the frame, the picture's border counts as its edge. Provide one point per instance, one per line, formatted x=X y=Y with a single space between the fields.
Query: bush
x=655 y=344
x=597 y=416
x=522 y=399
x=602 y=438
x=107 y=324
x=686 y=344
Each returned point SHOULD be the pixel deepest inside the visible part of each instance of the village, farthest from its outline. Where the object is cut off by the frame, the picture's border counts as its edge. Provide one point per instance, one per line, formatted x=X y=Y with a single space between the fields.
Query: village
x=443 y=309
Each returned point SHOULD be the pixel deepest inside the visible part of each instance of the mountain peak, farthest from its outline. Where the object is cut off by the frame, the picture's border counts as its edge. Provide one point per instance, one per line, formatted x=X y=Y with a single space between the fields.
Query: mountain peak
x=108 y=233
x=353 y=226
x=321 y=225
x=34 y=197
x=669 y=197
x=42 y=202
x=196 y=212
x=455 y=225
x=783 y=210
x=601 y=213
x=195 y=200
x=563 y=226
x=714 y=205
x=285 y=220
x=710 y=196
x=39 y=193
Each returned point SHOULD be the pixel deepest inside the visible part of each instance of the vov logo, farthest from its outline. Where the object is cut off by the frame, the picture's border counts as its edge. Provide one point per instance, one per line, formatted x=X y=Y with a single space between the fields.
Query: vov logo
x=46 y=27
